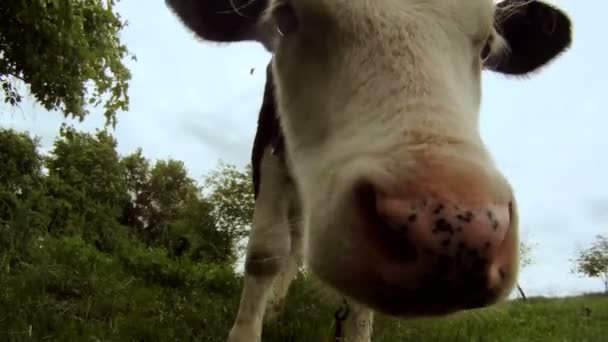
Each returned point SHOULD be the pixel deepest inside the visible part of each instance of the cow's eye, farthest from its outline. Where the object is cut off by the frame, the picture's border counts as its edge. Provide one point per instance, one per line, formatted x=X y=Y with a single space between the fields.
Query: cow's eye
x=285 y=18
x=485 y=51
x=487 y=48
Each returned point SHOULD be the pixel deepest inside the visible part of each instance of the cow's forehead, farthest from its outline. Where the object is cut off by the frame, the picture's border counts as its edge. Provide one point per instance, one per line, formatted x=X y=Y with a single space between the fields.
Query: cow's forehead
x=382 y=12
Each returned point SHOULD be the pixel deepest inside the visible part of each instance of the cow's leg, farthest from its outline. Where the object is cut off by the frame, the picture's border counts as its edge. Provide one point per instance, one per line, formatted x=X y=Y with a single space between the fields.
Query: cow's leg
x=281 y=285
x=267 y=250
x=358 y=324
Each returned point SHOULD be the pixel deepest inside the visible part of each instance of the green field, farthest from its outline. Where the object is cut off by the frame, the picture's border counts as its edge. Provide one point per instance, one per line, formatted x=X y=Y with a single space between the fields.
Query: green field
x=72 y=292
x=581 y=318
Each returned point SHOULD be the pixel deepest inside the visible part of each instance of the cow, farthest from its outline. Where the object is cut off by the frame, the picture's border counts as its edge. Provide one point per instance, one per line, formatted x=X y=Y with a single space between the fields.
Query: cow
x=368 y=163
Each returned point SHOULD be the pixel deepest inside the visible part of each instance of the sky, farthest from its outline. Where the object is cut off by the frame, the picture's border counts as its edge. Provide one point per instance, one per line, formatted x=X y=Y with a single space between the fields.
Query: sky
x=197 y=102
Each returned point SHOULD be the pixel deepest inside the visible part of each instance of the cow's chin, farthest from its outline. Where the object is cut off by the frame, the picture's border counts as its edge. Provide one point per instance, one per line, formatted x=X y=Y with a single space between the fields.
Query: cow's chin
x=346 y=252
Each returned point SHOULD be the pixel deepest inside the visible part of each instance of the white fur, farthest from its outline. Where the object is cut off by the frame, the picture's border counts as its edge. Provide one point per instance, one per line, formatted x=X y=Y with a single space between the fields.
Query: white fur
x=421 y=95
x=272 y=233
x=359 y=323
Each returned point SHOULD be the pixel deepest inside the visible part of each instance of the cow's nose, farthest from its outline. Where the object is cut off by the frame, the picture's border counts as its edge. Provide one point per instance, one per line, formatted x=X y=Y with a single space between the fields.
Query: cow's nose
x=459 y=241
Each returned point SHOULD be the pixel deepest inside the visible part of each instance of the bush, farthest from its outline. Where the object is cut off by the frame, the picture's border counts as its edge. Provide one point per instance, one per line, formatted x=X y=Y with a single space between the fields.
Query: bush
x=70 y=290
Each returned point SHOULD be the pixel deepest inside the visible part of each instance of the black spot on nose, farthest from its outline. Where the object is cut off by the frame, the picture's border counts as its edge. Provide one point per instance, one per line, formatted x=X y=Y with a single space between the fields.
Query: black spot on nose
x=443 y=226
x=466 y=217
x=493 y=220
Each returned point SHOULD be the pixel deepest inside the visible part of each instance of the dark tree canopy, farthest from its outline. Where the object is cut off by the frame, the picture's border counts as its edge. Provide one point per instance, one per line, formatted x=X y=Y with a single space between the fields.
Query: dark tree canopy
x=68 y=53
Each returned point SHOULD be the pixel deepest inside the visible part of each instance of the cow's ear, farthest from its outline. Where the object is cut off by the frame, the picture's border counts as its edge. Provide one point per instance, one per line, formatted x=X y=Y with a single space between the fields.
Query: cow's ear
x=535 y=33
x=223 y=20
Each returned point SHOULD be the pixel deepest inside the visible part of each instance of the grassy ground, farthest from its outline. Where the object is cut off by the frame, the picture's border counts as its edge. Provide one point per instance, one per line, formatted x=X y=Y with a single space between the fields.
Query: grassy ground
x=583 y=318
x=73 y=292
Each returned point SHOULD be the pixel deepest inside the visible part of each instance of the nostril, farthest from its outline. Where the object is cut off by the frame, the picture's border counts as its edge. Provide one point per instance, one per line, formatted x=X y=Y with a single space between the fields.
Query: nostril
x=502 y=273
x=388 y=233
x=392 y=223
x=395 y=213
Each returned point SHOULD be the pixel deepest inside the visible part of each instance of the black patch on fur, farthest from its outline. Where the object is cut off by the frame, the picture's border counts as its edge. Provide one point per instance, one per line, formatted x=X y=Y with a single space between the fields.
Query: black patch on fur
x=216 y=20
x=535 y=32
x=268 y=133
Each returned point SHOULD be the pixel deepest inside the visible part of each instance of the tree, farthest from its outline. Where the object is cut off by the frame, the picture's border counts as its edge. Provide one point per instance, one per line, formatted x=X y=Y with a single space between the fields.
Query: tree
x=196 y=233
x=525 y=254
x=593 y=261
x=22 y=202
x=59 y=49
x=166 y=208
x=230 y=191
x=20 y=162
x=170 y=190
x=525 y=260
x=86 y=182
x=137 y=179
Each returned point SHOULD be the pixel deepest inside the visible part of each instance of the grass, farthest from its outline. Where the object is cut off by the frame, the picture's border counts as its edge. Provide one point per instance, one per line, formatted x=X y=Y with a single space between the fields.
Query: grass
x=70 y=291
x=583 y=318
x=580 y=319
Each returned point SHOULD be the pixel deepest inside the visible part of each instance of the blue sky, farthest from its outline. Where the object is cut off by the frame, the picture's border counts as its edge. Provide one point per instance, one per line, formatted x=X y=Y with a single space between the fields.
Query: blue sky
x=198 y=103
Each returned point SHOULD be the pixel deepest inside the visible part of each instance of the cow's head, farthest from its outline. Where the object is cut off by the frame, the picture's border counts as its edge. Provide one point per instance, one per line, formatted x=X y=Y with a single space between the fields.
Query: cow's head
x=403 y=207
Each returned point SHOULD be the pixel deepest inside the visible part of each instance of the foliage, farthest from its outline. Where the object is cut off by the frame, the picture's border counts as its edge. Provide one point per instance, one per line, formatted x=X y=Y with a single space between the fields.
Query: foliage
x=22 y=203
x=90 y=163
x=73 y=292
x=230 y=191
x=85 y=180
x=137 y=178
x=593 y=261
x=196 y=234
x=526 y=257
x=170 y=191
x=165 y=207
x=89 y=191
x=63 y=50
x=75 y=259
x=20 y=163
x=70 y=291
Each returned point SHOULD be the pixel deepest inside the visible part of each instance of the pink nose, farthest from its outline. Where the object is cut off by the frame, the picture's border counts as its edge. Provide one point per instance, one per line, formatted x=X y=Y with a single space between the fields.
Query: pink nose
x=454 y=239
